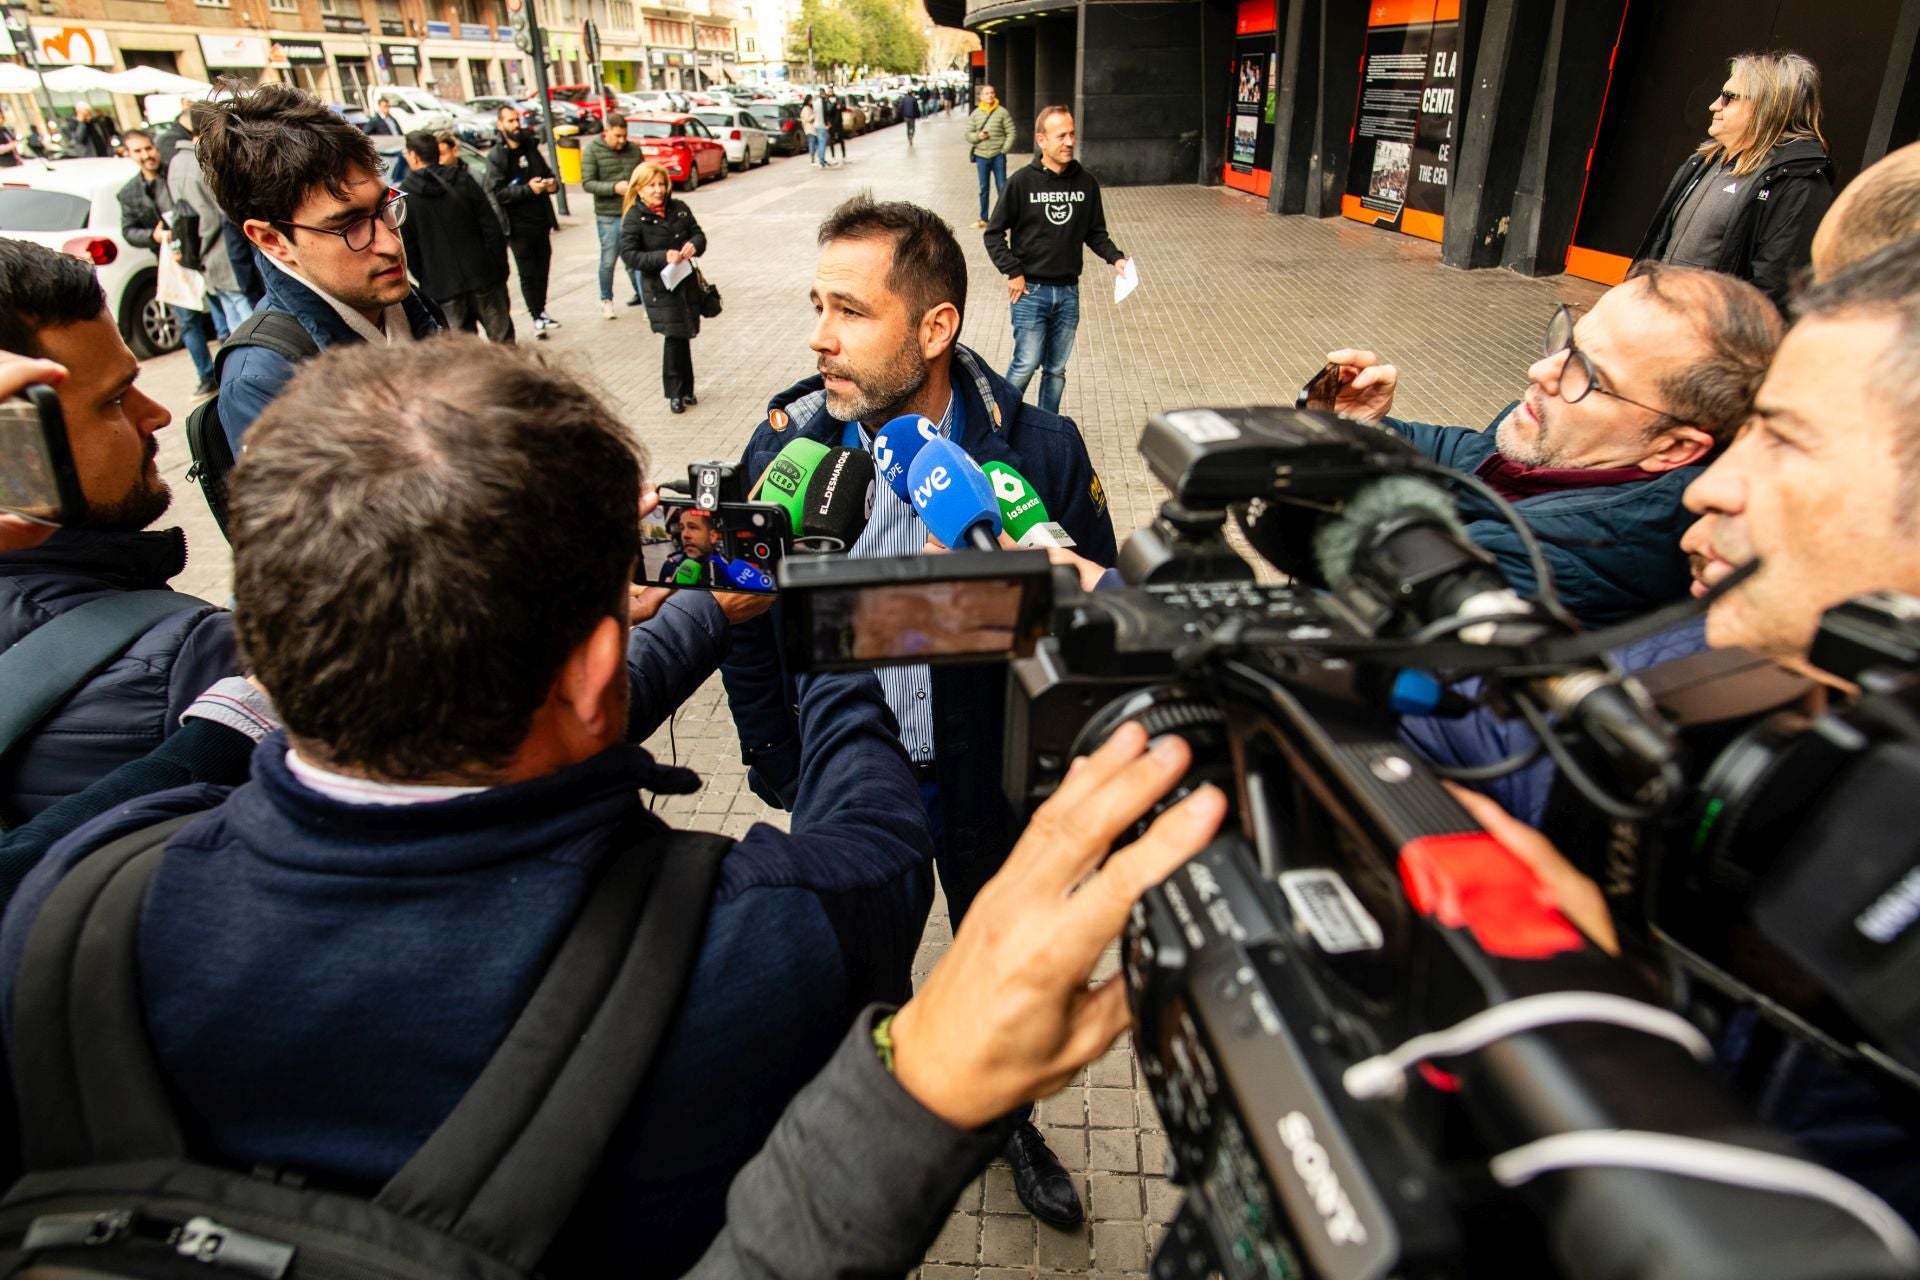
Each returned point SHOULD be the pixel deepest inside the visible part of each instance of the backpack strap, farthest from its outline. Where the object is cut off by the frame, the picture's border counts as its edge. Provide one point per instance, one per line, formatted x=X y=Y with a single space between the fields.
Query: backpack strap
x=276 y=331
x=89 y=1088
x=48 y=665
x=508 y=1166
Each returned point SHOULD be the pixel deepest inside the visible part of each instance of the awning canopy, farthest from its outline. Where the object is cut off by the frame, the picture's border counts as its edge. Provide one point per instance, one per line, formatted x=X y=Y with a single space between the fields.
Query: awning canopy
x=140 y=81
x=15 y=78
x=78 y=80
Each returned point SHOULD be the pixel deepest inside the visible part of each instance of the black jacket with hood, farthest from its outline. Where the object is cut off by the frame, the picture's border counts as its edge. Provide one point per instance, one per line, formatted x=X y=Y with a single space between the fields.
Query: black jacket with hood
x=453 y=238
x=1049 y=215
x=1771 y=235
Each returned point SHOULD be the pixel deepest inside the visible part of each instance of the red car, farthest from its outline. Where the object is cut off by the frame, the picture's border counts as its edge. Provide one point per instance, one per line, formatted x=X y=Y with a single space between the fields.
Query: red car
x=581 y=95
x=681 y=144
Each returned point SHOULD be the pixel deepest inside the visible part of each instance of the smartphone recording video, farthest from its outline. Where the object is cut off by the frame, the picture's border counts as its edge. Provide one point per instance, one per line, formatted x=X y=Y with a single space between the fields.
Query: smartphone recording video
x=37 y=476
x=735 y=547
x=1321 y=391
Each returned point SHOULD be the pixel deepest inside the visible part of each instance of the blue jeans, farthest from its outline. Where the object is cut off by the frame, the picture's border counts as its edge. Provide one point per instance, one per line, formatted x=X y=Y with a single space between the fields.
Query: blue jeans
x=821 y=137
x=1044 y=322
x=608 y=224
x=997 y=166
x=229 y=309
x=196 y=328
x=813 y=145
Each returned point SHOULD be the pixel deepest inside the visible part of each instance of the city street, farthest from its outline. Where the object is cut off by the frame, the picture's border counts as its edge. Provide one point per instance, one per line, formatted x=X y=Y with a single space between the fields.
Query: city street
x=1234 y=307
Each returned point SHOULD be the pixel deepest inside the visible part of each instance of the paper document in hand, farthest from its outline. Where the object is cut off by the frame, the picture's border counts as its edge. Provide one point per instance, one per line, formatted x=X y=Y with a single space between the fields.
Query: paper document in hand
x=675 y=272
x=1126 y=282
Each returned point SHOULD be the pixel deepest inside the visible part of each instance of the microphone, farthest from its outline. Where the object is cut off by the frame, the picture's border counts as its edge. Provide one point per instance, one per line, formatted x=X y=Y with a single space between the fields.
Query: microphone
x=690 y=573
x=827 y=494
x=954 y=497
x=1021 y=512
x=744 y=575
x=1399 y=542
x=896 y=445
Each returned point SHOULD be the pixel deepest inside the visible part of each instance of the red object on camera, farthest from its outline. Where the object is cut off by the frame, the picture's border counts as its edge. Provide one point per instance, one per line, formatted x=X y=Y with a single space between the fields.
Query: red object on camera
x=99 y=250
x=1472 y=881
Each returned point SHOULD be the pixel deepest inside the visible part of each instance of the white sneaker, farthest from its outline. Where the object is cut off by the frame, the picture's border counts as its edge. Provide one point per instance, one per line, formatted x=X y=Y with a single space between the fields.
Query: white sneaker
x=548 y=321
x=606 y=308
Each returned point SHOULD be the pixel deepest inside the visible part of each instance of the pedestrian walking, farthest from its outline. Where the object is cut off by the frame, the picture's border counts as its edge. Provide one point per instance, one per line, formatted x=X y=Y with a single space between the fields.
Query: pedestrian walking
x=521 y=180
x=816 y=136
x=87 y=134
x=145 y=206
x=455 y=243
x=657 y=232
x=382 y=121
x=989 y=135
x=605 y=164
x=1049 y=210
x=227 y=301
x=910 y=112
x=1747 y=202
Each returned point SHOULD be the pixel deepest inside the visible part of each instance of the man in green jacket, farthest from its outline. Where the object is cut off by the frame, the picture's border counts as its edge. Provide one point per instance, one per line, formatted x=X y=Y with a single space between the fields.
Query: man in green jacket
x=606 y=162
x=989 y=136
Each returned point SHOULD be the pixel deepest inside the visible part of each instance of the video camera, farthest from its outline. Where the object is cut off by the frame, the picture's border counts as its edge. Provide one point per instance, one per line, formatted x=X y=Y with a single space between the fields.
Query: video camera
x=1378 y=1047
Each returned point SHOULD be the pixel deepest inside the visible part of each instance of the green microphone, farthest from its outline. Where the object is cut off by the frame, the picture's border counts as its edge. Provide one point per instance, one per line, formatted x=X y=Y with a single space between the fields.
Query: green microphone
x=690 y=573
x=1022 y=514
x=788 y=475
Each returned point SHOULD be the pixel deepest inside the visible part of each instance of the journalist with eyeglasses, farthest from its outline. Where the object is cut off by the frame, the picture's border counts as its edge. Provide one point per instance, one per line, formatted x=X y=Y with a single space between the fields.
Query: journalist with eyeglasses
x=306 y=187
x=1623 y=409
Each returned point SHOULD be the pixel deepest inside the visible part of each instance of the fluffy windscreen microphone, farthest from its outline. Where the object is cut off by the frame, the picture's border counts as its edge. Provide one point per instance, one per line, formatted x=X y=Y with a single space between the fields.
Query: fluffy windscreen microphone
x=1380 y=505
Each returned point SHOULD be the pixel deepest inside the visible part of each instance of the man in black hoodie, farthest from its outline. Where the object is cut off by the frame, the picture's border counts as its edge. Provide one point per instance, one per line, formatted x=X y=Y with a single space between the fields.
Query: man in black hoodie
x=455 y=244
x=1047 y=212
x=521 y=180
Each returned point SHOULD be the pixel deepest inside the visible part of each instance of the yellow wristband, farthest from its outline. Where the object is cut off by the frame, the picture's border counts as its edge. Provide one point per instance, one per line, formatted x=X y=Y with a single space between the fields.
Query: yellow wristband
x=883 y=1042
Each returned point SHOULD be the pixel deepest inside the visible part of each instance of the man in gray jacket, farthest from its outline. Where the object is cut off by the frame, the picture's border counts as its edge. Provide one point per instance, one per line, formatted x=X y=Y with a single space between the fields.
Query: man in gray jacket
x=226 y=300
x=606 y=162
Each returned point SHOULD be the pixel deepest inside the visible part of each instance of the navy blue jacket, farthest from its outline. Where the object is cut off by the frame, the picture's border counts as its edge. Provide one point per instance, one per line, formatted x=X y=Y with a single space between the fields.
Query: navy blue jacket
x=1614 y=550
x=135 y=702
x=323 y=981
x=969 y=703
x=252 y=377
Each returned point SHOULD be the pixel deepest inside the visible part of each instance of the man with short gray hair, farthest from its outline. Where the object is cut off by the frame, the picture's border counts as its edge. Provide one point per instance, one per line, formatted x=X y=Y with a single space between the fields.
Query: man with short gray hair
x=1048 y=211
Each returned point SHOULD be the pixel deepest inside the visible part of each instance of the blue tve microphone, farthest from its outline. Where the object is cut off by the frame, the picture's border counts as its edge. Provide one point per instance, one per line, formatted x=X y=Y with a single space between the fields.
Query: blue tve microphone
x=954 y=497
x=896 y=445
x=746 y=576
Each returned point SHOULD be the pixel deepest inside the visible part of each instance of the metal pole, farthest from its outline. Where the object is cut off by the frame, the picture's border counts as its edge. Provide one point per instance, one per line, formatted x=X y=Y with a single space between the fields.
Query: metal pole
x=539 y=55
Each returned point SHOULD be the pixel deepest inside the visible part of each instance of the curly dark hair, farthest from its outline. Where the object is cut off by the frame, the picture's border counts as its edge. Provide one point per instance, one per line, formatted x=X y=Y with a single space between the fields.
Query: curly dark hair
x=264 y=150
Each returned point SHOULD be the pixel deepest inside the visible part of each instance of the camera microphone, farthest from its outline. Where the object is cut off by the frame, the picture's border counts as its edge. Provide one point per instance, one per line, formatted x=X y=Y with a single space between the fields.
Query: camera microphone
x=827 y=494
x=897 y=444
x=954 y=497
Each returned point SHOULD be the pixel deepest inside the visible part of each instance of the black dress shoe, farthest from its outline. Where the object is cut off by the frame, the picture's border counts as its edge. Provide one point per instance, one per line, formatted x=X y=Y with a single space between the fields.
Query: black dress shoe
x=677 y=405
x=1042 y=1185
x=691 y=400
x=634 y=301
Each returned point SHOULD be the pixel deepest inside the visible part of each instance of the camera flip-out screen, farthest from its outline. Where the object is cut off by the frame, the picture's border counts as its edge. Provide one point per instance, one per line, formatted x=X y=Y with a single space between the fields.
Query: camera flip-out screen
x=967 y=606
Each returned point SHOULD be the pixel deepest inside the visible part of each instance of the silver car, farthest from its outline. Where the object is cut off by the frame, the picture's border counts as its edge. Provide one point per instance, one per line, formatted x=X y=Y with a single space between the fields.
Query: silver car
x=740 y=133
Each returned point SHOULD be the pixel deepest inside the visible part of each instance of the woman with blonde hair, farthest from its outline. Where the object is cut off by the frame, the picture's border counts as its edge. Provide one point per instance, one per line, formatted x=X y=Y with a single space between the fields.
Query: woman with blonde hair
x=656 y=232
x=1747 y=202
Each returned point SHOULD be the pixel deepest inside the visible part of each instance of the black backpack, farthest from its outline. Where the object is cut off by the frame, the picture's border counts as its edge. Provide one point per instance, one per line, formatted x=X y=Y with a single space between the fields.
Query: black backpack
x=110 y=1190
x=186 y=235
x=206 y=438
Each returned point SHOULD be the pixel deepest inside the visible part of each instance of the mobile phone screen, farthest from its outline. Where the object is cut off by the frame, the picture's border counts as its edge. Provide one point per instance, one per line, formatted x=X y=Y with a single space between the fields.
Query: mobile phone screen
x=36 y=469
x=735 y=548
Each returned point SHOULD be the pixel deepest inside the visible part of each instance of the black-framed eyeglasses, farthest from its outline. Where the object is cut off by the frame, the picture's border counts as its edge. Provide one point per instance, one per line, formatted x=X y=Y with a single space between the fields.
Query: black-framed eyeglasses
x=359 y=233
x=1577 y=375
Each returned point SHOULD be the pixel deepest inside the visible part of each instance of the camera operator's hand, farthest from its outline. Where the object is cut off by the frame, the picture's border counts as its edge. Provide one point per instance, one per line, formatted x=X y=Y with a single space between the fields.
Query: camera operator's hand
x=17 y=373
x=1006 y=1016
x=1366 y=385
x=743 y=606
x=1578 y=898
x=1090 y=573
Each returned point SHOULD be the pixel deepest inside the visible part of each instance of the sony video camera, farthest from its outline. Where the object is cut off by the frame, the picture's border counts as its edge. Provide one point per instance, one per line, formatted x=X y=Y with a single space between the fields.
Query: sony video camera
x=1378 y=1047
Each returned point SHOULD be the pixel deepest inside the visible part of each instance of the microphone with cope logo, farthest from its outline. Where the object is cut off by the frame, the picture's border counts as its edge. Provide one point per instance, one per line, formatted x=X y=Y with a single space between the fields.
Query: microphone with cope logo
x=954 y=497
x=897 y=444
x=1021 y=512
x=827 y=494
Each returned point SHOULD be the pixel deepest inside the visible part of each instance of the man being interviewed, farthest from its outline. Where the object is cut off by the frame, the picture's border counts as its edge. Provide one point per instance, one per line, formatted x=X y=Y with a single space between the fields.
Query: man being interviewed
x=1047 y=212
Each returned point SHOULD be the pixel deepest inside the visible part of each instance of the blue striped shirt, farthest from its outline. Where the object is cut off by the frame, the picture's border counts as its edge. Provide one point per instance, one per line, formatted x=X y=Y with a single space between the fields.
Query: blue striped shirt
x=897 y=530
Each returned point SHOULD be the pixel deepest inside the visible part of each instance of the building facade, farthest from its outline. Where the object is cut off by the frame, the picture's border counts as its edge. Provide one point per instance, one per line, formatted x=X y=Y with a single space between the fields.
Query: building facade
x=1537 y=135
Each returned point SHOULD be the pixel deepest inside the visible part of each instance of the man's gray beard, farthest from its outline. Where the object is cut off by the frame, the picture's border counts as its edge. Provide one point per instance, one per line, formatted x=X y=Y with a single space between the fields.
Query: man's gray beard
x=876 y=401
x=1527 y=455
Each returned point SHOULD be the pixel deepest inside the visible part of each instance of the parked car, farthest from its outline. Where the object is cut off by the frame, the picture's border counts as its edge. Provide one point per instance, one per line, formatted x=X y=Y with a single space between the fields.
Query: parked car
x=355 y=116
x=582 y=96
x=781 y=121
x=575 y=114
x=393 y=158
x=660 y=100
x=413 y=108
x=740 y=134
x=680 y=143
x=74 y=206
x=852 y=118
x=490 y=104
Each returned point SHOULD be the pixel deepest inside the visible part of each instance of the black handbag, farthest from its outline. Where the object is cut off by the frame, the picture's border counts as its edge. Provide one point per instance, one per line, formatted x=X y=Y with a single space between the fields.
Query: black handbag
x=707 y=296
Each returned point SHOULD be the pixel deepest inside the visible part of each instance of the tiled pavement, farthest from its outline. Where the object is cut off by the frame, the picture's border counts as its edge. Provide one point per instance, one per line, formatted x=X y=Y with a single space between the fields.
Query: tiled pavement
x=1234 y=307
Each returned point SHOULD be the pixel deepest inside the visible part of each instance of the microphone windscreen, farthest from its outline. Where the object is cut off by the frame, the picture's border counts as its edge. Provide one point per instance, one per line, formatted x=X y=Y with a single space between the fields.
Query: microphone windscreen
x=837 y=504
x=789 y=474
x=1339 y=538
x=690 y=572
x=951 y=493
x=897 y=444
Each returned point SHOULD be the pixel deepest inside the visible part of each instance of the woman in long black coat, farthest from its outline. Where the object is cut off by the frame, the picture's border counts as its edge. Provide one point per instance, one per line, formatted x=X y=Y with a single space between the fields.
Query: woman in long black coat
x=657 y=231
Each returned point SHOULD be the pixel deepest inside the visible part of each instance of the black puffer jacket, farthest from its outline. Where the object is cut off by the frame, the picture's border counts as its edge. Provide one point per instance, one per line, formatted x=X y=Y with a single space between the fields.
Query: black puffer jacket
x=454 y=242
x=1771 y=235
x=645 y=237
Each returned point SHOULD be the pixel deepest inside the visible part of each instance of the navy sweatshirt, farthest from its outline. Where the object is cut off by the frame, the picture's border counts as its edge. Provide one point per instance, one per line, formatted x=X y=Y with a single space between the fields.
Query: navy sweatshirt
x=323 y=981
x=1048 y=216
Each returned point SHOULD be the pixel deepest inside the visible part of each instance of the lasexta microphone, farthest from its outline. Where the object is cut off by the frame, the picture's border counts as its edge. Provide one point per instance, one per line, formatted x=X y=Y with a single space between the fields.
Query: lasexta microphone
x=828 y=496
x=954 y=497
x=897 y=444
x=1022 y=513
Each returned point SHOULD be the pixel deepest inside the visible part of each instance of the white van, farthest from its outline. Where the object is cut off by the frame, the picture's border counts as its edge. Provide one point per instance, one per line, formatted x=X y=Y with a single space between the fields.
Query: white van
x=413 y=108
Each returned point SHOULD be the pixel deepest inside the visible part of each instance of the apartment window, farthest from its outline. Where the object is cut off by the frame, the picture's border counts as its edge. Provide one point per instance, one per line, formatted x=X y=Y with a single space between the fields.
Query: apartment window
x=210 y=4
x=389 y=10
x=284 y=6
x=620 y=15
x=753 y=44
x=340 y=8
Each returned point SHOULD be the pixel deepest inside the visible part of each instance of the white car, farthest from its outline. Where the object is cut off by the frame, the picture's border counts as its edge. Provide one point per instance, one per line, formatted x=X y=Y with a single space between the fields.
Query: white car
x=740 y=134
x=414 y=108
x=74 y=206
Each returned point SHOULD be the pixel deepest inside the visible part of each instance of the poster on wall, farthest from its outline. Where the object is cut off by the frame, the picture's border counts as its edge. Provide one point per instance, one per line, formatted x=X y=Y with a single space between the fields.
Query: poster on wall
x=1249 y=100
x=1404 y=131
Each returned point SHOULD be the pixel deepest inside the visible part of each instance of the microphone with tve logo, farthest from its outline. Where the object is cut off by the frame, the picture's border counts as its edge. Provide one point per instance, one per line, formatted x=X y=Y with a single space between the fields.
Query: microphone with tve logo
x=954 y=497
x=895 y=446
x=1022 y=513
x=827 y=494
